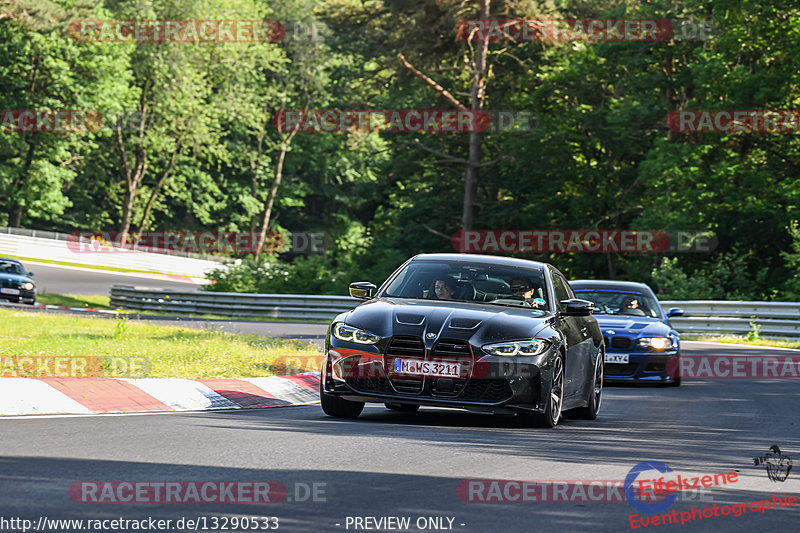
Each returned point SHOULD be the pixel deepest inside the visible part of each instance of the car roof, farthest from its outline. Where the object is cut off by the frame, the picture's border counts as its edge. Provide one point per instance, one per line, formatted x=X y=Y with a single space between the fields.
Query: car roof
x=588 y=283
x=481 y=258
x=10 y=260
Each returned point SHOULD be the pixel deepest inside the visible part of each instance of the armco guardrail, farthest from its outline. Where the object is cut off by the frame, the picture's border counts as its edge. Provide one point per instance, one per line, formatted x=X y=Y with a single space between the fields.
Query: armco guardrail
x=776 y=319
x=287 y=306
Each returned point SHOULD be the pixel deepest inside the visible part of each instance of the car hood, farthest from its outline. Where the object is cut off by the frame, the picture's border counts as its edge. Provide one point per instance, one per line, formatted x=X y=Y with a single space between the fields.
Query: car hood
x=626 y=324
x=477 y=323
x=15 y=277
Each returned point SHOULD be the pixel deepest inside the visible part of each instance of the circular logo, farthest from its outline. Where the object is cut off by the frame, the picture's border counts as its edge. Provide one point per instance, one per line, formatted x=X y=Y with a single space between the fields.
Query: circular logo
x=430 y=336
x=630 y=488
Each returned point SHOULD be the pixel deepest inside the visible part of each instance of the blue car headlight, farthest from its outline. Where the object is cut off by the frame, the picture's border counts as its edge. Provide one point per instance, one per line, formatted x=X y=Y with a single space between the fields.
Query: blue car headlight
x=28 y=286
x=656 y=343
x=343 y=332
x=517 y=348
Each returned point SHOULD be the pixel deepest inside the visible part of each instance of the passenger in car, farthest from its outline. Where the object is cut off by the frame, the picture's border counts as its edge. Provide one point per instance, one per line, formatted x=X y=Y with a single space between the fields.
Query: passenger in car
x=444 y=288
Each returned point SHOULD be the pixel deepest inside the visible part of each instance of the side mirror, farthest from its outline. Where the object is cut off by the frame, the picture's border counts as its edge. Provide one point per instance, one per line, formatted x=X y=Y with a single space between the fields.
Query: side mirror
x=362 y=289
x=578 y=307
x=675 y=311
x=30 y=274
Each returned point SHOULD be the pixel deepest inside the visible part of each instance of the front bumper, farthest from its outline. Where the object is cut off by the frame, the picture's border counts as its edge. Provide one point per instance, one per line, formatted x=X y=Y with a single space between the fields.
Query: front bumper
x=24 y=296
x=645 y=368
x=489 y=384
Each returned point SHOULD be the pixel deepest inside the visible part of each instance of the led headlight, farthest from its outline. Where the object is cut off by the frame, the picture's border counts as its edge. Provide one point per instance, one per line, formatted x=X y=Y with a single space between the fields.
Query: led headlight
x=517 y=348
x=28 y=286
x=343 y=332
x=656 y=343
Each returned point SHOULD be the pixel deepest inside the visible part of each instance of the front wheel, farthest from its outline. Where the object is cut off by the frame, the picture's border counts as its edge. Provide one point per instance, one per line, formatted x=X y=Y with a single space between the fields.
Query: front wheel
x=589 y=412
x=339 y=407
x=552 y=412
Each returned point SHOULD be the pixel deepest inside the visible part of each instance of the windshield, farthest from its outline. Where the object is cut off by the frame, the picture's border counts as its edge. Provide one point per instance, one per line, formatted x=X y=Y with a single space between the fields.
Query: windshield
x=470 y=282
x=9 y=267
x=609 y=301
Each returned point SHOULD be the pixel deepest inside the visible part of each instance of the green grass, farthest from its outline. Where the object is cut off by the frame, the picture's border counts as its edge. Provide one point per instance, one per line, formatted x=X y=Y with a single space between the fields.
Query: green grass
x=734 y=339
x=74 y=300
x=162 y=351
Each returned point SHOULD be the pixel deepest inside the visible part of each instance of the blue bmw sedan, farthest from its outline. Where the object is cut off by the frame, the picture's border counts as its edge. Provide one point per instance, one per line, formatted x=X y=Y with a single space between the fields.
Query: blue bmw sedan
x=641 y=344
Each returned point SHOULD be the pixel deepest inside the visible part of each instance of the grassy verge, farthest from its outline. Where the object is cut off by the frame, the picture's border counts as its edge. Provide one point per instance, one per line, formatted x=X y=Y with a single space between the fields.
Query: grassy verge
x=152 y=350
x=733 y=339
x=74 y=300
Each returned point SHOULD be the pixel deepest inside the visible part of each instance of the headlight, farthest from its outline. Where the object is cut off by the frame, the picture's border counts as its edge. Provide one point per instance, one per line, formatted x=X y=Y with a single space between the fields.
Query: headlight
x=28 y=286
x=343 y=332
x=518 y=348
x=656 y=343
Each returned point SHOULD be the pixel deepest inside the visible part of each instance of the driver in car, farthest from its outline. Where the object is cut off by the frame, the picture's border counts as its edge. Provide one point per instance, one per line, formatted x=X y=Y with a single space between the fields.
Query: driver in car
x=524 y=288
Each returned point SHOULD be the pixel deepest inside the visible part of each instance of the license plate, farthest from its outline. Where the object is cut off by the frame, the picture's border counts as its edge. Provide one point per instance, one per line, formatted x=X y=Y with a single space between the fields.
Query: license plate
x=427 y=368
x=616 y=358
x=15 y=292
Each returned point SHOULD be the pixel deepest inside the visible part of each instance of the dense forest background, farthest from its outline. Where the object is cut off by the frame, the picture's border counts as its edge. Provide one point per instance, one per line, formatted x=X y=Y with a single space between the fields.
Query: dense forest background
x=194 y=146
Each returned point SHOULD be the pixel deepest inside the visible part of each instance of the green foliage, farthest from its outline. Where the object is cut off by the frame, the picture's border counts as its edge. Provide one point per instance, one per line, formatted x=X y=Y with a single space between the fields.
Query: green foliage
x=601 y=156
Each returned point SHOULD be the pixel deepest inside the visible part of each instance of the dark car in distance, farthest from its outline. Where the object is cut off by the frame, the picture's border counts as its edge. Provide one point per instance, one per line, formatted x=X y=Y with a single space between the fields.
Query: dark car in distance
x=641 y=344
x=482 y=333
x=16 y=284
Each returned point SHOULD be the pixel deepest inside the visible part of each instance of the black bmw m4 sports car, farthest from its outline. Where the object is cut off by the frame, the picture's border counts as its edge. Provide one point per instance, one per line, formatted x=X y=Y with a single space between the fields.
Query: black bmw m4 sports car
x=483 y=333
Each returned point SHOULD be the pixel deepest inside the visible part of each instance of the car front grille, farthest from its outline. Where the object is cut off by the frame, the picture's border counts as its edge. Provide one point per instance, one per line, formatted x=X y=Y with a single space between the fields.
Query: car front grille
x=451 y=350
x=627 y=369
x=404 y=347
x=621 y=343
x=11 y=284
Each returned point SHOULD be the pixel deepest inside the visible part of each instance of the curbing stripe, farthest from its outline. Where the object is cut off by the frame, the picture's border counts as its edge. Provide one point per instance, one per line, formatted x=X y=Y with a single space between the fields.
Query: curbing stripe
x=25 y=396
x=284 y=388
x=57 y=395
x=183 y=394
x=106 y=395
x=243 y=393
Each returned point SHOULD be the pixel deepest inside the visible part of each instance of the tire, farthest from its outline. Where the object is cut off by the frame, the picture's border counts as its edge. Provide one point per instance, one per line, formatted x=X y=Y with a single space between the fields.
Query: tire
x=338 y=407
x=589 y=412
x=676 y=383
x=552 y=412
x=405 y=408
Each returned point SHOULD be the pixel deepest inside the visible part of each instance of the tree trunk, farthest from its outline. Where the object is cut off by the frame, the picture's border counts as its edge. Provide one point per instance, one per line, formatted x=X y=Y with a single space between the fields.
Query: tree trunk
x=475 y=137
x=273 y=191
x=155 y=192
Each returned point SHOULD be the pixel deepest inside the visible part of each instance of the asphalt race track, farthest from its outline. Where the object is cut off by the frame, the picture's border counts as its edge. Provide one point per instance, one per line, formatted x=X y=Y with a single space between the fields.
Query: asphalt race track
x=58 y=279
x=394 y=464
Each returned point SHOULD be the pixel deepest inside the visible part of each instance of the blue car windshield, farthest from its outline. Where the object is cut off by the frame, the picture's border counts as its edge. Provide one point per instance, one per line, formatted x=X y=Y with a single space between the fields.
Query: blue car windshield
x=620 y=302
x=10 y=267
